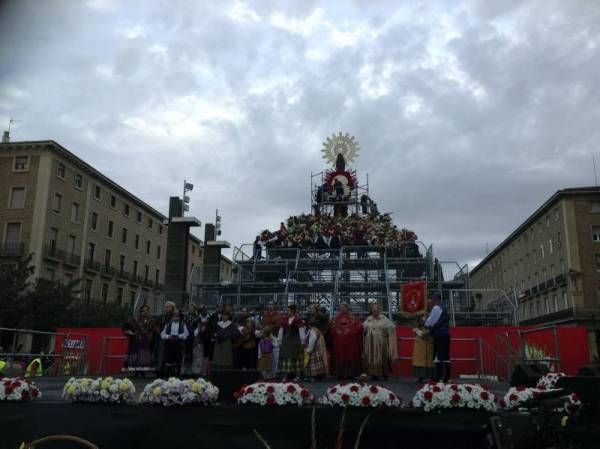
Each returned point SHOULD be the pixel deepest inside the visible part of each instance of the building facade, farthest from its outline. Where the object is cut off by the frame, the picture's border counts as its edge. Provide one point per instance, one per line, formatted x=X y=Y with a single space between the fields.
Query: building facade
x=78 y=224
x=551 y=263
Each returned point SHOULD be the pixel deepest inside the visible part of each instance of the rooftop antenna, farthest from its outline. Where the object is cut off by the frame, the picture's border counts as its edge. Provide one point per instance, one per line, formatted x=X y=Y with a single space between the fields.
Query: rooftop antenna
x=11 y=121
x=595 y=172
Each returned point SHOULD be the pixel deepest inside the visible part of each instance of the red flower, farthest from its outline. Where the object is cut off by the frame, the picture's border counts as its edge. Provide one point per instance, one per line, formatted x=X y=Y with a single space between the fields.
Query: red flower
x=9 y=390
x=374 y=389
x=270 y=389
x=291 y=389
x=354 y=388
x=236 y=395
x=468 y=388
x=502 y=403
x=35 y=392
x=366 y=400
x=513 y=397
x=454 y=387
x=304 y=393
x=25 y=395
x=270 y=400
x=249 y=390
x=392 y=397
x=345 y=397
x=484 y=395
x=436 y=389
x=17 y=384
x=428 y=395
x=333 y=390
x=520 y=388
x=574 y=397
x=455 y=397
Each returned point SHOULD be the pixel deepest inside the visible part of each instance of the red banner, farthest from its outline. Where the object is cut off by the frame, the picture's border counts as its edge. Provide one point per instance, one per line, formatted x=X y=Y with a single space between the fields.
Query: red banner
x=413 y=298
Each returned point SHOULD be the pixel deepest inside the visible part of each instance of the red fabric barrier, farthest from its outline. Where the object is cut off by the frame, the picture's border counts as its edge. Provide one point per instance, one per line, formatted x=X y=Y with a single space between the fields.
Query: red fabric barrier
x=464 y=350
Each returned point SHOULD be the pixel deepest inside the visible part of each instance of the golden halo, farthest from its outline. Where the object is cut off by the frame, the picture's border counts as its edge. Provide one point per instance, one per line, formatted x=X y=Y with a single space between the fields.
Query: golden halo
x=339 y=143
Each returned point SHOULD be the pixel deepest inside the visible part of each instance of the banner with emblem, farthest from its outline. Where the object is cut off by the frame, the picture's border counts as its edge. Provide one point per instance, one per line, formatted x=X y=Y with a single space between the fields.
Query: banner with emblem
x=414 y=298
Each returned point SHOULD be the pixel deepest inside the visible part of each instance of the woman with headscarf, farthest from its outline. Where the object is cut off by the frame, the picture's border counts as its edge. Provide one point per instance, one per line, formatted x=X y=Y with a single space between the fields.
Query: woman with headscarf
x=380 y=345
x=346 y=333
x=141 y=336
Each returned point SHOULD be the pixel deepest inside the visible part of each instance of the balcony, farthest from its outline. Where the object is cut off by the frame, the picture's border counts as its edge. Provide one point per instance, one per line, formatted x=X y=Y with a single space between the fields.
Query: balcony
x=12 y=249
x=559 y=280
x=122 y=274
x=91 y=265
x=53 y=253
x=542 y=287
x=107 y=271
x=534 y=291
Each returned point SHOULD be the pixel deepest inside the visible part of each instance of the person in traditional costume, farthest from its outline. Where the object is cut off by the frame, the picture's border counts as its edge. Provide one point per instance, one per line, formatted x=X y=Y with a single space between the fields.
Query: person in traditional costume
x=438 y=323
x=265 y=353
x=291 y=335
x=380 y=344
x=247 y=354
x=422 y=356
x=192 y=359
x=168 y=310
x=271 y=318
x=226 y=333
x=174 y=335
x=316 y=355
x=204 y=337
x=346 y=333
x=141 y=334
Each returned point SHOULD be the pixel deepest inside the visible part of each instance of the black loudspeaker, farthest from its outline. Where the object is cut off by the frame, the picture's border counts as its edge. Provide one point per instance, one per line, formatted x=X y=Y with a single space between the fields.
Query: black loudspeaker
x=592 y=370
x=527 y=375
x=230 y=380
x=586 y=387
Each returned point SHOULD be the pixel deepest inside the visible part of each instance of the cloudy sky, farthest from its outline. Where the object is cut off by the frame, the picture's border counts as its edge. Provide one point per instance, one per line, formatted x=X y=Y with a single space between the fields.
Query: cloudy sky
x=469 y=114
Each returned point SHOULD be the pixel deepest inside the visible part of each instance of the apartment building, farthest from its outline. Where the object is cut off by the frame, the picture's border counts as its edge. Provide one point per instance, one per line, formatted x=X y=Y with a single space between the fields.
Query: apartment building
x=78 y=224
x=551 y=263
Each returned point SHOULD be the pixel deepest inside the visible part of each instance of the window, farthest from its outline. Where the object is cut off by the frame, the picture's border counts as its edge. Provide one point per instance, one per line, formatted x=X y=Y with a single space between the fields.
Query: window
x=71 y=244
x=551 y=271
x=158 y=251
x=126 y=210
x=550 y=248
x=57 y=203
x=21 y=163
x=139 y=217
x=91 y=251
x=75 y=213
x=120 y=296
x=565 y=299
x=538 y=306
x=148 y=245
x=150 y=223
x=146 y=272
x=131 y=298
x=193 y=249
x=87 y=291
x=160 y=229
x=531 y=310
x=596 y=233
x=107 y=258
x=555 y=302
x=562 y=266
x=104 y=293
x=94 y=221
x=558 y=240
x=597 y=261
x=50 y=273
x=124 y=235
x=547 y=221
x=17 y=198
x=111 y=229
x=556 y=215
x=97 y=193
x=121 y=263
x=113 y=201
x=78 y=181
x=156 y=275
x=542 y=250
x=61 y=170
x=135 y=267
x=137 y=241
x=68 y=278
x=53 y=238
x=595 y=207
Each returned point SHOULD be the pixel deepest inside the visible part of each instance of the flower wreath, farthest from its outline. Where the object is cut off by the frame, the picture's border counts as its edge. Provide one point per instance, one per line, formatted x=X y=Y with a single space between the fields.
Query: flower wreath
x=274 y=393
x=99 y=390
x=16 y=389
x=179 y=392
x=360 y=395
x=549 y=381
x=515 y=397
x=435 y=396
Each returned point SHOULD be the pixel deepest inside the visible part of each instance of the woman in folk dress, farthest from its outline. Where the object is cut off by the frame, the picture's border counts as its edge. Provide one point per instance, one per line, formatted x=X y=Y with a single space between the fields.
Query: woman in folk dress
x=380 y=346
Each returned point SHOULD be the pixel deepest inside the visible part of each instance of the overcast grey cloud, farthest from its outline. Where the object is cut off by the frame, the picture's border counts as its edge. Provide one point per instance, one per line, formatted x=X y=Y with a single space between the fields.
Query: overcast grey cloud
x=469 y=114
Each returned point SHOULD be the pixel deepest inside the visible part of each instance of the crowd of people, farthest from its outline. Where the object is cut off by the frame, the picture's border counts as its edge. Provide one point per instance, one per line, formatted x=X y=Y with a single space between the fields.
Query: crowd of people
x=281 y=345
x=333 y=232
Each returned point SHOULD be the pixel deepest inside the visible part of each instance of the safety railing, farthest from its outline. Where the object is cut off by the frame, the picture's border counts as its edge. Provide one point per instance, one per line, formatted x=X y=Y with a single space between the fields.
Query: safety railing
x=61 y=354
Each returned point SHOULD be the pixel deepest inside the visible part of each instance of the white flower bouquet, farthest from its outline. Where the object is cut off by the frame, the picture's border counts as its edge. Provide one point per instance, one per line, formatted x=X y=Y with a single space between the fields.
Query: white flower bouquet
x=179 y=392
x=274 y=393
x=17 y=390
x=360 y=395
x=436 y=396
x=517 y=396
x=548 y=381
x=107 y=390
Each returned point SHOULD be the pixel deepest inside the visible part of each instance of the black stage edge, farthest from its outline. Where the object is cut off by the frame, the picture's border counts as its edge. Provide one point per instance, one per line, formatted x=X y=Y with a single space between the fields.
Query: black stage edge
x=231 y=427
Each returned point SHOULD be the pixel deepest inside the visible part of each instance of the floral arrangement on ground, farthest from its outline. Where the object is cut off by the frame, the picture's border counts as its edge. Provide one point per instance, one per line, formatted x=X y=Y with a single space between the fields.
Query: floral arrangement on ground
x=274 y=393
x=360 y=395
x=17 y=389
x=106 y=390
x=436 y=396
x=548 y=381
x=517 y=396
x=179 y=392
